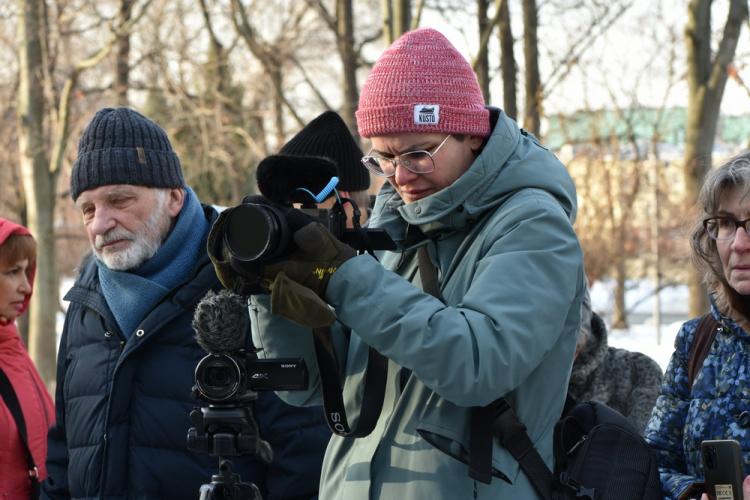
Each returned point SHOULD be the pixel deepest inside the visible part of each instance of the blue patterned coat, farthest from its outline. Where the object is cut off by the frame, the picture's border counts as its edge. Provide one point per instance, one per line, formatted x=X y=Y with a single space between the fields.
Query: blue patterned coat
x=682 y=417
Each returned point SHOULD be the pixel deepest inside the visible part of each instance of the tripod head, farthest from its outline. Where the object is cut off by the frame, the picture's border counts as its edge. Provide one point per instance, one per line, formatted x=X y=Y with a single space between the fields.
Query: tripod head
x=224 y=431
x=227 y=431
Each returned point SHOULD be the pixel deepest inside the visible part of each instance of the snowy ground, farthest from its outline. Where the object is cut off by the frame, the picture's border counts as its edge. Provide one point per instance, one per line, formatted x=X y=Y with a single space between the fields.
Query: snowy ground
x=642 y=334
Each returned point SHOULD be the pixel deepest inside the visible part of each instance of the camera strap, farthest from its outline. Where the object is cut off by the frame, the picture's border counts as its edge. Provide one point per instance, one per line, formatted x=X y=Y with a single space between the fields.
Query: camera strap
x=333 y=398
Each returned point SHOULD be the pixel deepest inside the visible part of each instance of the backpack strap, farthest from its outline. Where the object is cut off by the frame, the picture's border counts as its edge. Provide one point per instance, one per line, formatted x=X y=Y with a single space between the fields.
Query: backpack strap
x=11 y=401
x=705 y=333
x=513 y=436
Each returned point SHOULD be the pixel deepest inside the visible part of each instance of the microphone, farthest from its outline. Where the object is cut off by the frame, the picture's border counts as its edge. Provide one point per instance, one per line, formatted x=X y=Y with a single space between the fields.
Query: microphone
x=221 y=322
x=280 y=177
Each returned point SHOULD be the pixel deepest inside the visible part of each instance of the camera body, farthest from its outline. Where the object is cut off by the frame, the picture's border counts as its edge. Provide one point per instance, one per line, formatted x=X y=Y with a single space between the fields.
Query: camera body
x=258 y=233
x=232 y=378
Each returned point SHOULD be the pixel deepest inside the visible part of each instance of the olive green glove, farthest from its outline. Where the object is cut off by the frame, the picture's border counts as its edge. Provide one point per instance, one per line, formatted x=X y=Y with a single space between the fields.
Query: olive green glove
x=318 y=255
x=299 y=303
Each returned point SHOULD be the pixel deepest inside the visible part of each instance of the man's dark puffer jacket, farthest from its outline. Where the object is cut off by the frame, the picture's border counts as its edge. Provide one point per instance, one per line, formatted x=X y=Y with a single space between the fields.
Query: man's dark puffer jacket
x=123 y=406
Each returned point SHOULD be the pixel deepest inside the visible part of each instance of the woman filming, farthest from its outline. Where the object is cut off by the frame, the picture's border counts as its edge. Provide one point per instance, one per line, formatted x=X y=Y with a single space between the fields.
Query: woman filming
x=21 y=388
x=715 y=404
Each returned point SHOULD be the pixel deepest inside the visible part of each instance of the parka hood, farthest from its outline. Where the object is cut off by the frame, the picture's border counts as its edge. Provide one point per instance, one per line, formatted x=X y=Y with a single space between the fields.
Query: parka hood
x=8 y=228
x=512 y=159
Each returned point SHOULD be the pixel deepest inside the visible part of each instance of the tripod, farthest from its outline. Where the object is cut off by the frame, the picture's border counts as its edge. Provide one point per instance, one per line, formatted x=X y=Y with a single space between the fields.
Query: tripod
x=226 y=431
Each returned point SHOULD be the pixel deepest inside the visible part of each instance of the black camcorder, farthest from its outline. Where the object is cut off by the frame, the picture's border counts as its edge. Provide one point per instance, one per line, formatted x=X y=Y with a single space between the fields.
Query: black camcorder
x=233 y=377
x=227 y=378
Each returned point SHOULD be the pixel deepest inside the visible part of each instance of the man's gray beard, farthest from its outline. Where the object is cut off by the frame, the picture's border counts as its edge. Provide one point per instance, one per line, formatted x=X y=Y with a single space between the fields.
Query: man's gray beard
x=142 y=246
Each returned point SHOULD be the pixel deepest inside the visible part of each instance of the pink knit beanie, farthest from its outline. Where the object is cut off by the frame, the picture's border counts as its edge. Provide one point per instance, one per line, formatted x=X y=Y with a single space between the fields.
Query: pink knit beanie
x=422 y=84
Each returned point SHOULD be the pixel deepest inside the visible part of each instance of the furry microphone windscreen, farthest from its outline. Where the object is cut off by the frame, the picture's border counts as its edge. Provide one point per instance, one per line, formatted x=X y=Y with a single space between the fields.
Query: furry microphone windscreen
x=221 y=322
x=280 y=176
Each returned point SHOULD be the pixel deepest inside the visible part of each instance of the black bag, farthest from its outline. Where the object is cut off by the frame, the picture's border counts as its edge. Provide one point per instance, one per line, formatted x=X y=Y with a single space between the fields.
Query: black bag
x=600 y=455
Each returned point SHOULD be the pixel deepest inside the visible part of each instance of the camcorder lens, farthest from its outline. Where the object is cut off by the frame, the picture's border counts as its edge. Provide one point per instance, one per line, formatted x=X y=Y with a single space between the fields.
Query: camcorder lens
x=254 y=232
x=218 y=377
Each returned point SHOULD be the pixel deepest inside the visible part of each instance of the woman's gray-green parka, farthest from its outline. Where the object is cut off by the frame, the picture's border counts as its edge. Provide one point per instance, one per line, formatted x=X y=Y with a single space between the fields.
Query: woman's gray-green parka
x=511 y=275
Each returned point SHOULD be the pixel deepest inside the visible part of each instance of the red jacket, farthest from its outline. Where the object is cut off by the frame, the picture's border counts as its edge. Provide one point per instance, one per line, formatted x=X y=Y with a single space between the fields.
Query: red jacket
x=36 y=404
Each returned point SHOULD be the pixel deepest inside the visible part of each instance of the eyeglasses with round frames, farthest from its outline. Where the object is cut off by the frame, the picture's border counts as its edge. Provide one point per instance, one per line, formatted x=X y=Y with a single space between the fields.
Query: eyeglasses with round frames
x=419 y=162
x=724 y=228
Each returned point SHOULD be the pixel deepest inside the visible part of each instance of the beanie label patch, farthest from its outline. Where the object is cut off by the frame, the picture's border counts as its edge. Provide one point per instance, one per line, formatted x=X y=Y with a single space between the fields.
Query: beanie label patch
x=426 y=114
x=141 y=155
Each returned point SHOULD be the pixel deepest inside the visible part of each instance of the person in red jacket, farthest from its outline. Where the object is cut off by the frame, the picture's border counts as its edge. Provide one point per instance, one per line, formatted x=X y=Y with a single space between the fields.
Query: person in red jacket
x=17 y=267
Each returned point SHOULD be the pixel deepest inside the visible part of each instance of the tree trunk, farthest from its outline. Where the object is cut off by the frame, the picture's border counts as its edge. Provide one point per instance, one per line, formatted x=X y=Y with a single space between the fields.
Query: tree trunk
x=507 y=60
x=387 y=21
x=345 y=44
x=619 y=313
x=401 y=17
x=122 y=64
x=531 y=58
x=706 y=82
x=39 y=185
x=278 y=105
x=396 y=19
x=482 y=66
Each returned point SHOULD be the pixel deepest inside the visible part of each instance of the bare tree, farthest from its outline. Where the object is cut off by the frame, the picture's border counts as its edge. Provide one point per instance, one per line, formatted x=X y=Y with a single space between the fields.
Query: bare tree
x=508 y=68
x=707 y=77
x=397 y=19
x=482 y=64
x=39 y=105
x=533 y=86
x=342 y=26
x=273 y=56
x=122 y=63
x=39 y=185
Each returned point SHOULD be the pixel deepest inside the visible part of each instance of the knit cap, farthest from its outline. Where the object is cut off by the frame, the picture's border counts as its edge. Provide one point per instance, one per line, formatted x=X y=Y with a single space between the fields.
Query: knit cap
x=121 y=146
x=422 y=84
x=328 y=136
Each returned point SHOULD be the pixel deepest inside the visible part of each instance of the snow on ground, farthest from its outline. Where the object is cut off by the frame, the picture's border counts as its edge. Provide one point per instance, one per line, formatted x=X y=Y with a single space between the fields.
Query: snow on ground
x=642 y=336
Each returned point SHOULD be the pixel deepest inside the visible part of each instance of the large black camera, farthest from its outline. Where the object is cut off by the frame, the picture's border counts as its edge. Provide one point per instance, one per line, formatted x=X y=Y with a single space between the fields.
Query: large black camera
x=261 y=232
x=260 y=228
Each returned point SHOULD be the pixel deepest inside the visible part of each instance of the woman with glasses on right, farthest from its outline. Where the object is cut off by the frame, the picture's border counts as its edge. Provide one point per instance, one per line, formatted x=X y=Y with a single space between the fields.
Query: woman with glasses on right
x=710 y=401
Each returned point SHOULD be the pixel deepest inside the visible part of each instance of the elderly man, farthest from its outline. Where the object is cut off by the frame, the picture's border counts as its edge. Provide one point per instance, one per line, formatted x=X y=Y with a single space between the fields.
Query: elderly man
x=128 y=352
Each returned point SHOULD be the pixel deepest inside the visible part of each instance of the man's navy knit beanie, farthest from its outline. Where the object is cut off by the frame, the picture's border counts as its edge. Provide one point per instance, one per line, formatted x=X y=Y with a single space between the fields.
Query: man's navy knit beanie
x=121 y=146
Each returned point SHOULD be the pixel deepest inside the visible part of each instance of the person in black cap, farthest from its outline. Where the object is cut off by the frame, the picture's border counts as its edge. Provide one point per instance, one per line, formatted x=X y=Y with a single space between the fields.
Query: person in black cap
x=327 y=136
x=128 y=352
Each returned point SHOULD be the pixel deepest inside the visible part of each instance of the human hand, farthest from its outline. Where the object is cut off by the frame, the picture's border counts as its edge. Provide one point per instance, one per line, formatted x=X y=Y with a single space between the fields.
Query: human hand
x=318 y=255
x=299 y=303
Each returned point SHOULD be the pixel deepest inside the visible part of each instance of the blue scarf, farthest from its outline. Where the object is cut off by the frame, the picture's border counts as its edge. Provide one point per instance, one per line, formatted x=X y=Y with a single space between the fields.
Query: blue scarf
x=131 y=294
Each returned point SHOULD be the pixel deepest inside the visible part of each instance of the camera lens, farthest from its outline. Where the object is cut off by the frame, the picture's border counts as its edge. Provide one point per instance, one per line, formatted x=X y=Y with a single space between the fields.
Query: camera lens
x=255 y=232
x=218 y=377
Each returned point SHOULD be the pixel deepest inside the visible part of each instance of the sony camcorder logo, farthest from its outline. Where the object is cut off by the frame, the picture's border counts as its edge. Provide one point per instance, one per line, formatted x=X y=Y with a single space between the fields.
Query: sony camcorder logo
x=426 y=114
